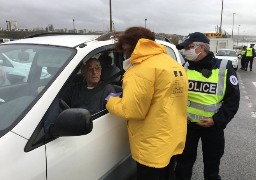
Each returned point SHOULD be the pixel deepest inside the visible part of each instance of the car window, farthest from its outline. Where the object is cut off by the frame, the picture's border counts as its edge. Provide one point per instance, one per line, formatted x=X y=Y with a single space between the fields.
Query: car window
x=227 y=52
x=221 y=53
x=182 y=60
x=24 y=71
x=93 y=99
x=171 y=52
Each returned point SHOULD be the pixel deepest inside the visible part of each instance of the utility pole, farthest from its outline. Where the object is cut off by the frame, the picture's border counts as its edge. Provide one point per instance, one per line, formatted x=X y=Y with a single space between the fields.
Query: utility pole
x=238 y=34
x=221 y=17
x=110 y=14
x=74 y=25
x=233 y=24
x=146 y=23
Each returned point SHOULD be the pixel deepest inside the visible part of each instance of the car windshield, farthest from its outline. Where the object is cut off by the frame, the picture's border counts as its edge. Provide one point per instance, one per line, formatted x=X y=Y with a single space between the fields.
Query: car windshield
x=230 y=53
x=24 y=71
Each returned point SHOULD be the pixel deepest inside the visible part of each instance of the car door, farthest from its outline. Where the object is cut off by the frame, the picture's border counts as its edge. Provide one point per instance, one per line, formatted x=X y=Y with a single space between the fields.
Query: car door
x=89 y=156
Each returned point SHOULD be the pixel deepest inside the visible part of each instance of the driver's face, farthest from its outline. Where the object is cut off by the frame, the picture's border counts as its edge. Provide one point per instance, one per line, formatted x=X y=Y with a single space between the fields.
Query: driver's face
x=92 y=73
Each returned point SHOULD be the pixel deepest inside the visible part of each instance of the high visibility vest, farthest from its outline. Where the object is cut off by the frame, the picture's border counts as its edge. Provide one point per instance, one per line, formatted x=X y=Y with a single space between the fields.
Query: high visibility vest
x=205 y=95
x=243 y=52
x=249 y=52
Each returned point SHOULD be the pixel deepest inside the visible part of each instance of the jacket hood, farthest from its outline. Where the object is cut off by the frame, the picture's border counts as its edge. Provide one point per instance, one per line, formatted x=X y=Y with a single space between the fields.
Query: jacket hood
x=144 y=49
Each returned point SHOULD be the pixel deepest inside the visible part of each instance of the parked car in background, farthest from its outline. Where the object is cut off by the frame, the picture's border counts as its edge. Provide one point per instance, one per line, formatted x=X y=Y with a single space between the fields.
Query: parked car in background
x=80 y=145
x=228 y=54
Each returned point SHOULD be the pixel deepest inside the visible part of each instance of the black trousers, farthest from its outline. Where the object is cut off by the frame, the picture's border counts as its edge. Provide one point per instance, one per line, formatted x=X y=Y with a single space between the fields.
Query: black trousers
x=243 y=62
x=213 y=149
x=149 y=173
x=249 y=60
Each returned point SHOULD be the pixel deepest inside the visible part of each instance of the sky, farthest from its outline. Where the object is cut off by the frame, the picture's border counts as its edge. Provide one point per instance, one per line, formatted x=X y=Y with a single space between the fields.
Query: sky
x=163 y=16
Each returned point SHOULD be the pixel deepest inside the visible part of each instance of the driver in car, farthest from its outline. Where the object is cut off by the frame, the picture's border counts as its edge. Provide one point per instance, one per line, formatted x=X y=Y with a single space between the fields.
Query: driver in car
x=91 y=93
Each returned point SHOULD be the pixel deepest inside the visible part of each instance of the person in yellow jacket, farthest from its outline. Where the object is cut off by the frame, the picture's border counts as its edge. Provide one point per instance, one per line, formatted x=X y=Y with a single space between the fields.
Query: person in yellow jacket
x=154 y=103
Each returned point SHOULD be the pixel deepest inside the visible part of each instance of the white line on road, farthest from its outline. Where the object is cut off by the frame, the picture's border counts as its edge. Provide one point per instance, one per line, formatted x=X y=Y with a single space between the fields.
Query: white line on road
x=253 y=114
x=249 y=105
x=254 y=83
x=246 y=97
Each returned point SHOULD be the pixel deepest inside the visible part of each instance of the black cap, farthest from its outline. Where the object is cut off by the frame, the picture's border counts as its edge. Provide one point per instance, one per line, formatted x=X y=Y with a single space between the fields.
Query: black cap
x=193 y=37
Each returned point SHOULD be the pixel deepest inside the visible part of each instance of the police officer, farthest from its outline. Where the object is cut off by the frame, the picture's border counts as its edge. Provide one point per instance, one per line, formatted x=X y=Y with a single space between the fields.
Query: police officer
x=213 y=100
x=243 y=60
x=250 y=53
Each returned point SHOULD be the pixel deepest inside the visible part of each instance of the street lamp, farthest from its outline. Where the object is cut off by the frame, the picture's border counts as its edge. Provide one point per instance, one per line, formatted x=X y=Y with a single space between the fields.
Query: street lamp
x=221 y=17
x=146 y=23
x=238 y=34
x=110 y=14
x=233 y=24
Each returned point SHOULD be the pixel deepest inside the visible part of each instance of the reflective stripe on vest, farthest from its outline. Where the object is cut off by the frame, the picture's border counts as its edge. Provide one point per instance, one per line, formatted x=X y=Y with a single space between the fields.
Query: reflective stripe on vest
x=243 y=52
x=211 y=108
x=212 y=101
x=194 y=116
x=249 y=52
x=221 y=77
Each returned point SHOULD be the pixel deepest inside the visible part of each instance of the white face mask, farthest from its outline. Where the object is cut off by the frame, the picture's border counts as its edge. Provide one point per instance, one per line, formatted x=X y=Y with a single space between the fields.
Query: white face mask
x=191 y=54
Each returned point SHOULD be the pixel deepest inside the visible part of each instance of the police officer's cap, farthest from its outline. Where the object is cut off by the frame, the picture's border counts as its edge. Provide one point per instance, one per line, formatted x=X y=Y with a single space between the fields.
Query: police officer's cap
x=193 y=37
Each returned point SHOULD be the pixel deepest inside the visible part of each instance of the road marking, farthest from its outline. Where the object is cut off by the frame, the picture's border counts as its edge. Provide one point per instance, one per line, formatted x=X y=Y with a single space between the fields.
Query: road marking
x=243 y=87
x=249 y=105
x=254 y=83
x=246 y=97
x=245 y=92
x=253 y=114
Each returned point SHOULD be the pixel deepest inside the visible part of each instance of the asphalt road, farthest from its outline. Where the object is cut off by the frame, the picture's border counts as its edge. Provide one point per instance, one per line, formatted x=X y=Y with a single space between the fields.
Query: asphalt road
x=239 y=160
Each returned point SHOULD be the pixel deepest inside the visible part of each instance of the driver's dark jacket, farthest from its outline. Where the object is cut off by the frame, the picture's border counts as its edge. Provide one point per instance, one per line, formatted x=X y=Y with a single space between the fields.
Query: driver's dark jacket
x=79 y=96
x=231 y=98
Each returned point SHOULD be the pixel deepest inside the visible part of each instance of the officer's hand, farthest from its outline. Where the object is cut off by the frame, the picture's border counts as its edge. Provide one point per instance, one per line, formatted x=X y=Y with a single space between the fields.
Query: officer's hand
x=207 y=122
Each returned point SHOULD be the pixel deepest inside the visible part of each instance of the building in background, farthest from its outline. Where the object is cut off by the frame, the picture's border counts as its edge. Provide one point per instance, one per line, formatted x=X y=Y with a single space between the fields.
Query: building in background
x=11 y=25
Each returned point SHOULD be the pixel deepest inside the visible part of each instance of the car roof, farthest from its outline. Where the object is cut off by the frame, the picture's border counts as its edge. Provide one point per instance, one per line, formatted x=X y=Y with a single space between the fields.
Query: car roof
x=57 y=40
x=73 y=40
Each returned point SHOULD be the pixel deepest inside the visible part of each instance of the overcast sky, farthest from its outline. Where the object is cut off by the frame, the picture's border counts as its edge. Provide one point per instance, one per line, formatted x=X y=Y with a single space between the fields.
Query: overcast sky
x=168 y=16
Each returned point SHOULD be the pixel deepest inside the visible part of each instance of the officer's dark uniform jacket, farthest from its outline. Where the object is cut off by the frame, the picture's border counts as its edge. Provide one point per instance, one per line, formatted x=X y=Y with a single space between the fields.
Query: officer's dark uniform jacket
x=229 y=101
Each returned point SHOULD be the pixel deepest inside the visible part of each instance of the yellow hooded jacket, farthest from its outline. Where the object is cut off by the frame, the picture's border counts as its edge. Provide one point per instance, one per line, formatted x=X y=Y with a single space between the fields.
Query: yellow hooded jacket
x=154 y=103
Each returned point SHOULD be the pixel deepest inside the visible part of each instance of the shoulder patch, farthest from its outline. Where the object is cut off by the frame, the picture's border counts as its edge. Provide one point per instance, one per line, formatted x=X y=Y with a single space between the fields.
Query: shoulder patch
x=233 y=80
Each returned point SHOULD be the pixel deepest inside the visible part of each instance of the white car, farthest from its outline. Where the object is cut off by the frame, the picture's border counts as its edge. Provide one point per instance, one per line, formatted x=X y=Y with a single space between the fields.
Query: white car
x=228 y=54
x=81 y=145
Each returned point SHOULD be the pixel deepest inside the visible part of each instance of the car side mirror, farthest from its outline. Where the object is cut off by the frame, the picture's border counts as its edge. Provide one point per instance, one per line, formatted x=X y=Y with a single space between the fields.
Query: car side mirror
x=72 y=122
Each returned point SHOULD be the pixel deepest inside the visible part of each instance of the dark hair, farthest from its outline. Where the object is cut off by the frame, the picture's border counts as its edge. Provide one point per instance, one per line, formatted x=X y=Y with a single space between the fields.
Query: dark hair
x=132 y=35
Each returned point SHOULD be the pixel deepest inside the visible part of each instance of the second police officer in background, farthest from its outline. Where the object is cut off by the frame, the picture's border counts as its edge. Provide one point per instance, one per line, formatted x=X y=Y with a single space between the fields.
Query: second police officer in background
x=213 y=100
x=249 y=55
